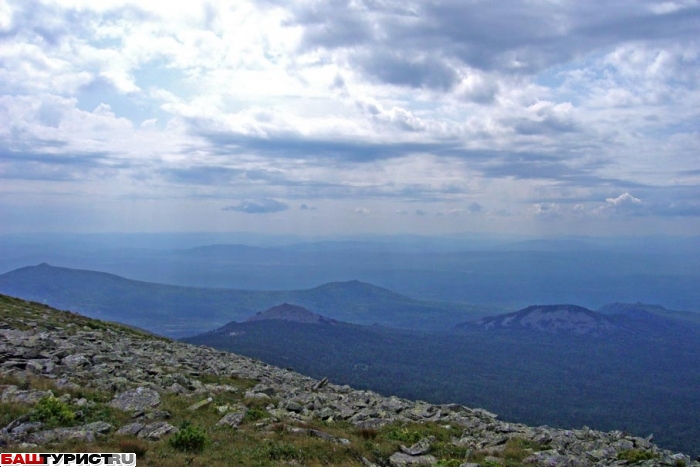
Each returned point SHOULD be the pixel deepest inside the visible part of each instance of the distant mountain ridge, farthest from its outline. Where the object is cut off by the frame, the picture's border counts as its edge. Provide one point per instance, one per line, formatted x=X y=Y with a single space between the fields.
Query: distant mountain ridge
x=178 y=311
x=639 y=309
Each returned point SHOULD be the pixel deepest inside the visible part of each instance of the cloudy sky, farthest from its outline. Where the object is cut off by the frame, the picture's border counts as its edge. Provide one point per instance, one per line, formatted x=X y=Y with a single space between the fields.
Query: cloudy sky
x=321 y=117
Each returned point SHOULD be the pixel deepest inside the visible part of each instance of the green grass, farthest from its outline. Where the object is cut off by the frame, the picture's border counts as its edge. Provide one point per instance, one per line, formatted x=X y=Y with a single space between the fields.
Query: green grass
x=635 y=455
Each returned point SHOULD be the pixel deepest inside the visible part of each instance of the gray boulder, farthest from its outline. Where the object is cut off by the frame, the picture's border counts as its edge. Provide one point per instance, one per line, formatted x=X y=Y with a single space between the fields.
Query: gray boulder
x=85 y=433
x=76 y=361
x=26 y=427
x=400 y=459
x=132 y=429
x=233 y=419
x=12 y=394
x=156 y=430
x=421 y=447
x=138 y=399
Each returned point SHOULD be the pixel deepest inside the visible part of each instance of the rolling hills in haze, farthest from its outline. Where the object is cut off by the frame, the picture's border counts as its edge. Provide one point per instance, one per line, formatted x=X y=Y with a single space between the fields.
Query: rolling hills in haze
x=184 y=311
x=507 y=273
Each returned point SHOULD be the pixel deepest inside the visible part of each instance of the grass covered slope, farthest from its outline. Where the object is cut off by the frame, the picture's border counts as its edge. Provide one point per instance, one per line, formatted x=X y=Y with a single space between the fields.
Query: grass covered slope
x=185 y=311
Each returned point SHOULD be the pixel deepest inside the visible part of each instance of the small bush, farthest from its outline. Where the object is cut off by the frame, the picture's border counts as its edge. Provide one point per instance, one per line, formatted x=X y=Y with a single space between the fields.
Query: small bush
x=403 y=435
x=284 y=452
x=138 y=447
x=52 y=411
x=449 y=463
x=277 y=427
x=190 y=438
x=367 y=433
x=518 y=449
x=10 y=412
x=254 y=414
x=635 y=455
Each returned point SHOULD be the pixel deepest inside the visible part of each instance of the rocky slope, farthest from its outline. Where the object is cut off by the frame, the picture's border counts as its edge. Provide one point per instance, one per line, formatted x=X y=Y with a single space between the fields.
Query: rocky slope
x=141 y=379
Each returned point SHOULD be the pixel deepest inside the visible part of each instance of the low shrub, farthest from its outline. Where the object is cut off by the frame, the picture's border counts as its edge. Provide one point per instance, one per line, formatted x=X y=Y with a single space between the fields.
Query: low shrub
x=404 y=435
x=190 y=438
x=136 y=446
x=254 y=414
x=278 y=451
x=367 y=433
x=635 y=455
x=518 y=449
x=53 y=412
x=449 y=463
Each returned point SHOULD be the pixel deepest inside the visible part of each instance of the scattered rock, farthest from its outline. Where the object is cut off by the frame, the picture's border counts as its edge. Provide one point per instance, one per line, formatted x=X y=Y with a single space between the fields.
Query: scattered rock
x=75 y=361
x=200 y=404
x=400 y=459
x=138 y=399
x=323 y=435
x=25 y=428
x=256 y=395
x=157 y=415
x=294 y=406
x=85 y=433
x=232 y=419
x=421 y=447
x=156 y=430
x=175 y=388
x=320 y=384
x=131 y=429
x=14 y=395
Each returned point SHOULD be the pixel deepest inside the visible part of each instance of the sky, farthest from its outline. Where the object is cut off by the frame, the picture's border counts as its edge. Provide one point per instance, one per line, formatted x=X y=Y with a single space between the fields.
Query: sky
x=330 y=117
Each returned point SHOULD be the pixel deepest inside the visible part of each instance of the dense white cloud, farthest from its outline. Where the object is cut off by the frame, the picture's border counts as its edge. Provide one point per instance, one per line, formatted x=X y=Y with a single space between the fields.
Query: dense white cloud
x=508 y=112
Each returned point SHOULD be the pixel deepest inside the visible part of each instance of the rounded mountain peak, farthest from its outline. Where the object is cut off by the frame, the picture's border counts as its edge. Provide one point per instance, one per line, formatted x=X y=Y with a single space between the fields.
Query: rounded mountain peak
x=553 y=318
x=289 y=312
